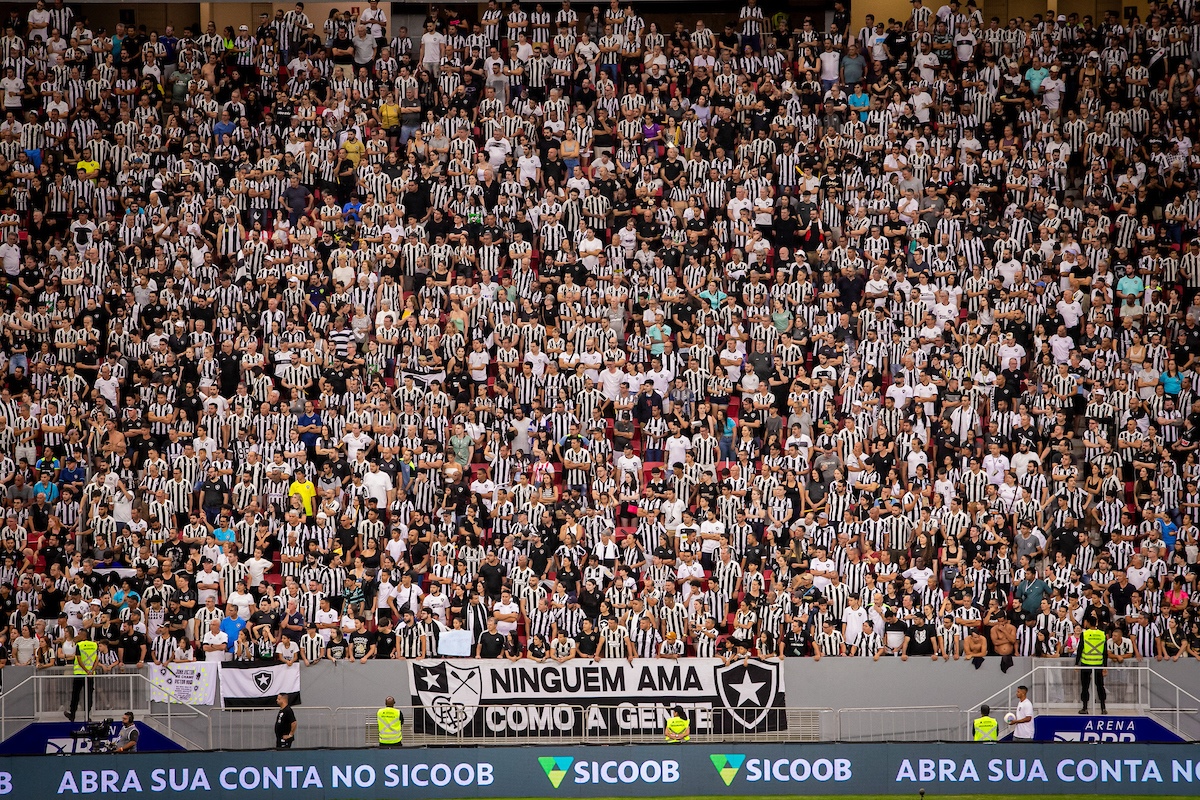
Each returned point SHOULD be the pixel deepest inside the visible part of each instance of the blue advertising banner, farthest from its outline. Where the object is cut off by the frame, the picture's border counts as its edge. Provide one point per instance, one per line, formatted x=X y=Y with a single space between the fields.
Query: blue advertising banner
x=54 y=738
x=1101 y=729
x=1005 y=770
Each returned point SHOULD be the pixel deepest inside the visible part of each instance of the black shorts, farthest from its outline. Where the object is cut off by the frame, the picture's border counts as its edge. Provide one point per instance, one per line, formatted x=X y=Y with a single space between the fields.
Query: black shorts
x=283 y=744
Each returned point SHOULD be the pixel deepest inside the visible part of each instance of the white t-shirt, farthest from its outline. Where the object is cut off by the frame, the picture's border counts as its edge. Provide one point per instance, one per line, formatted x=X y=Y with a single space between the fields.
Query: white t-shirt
x=12 y=91
x=289 y=650
x=527 y=167
x=243 y=601
x=378 y=484
x=41 y=17
x=1025 y=729
x=589 y=249
x=710 y=546
x=258 y=567
x=677 y=447
x=820 y=581
x=433 y=42
x=324 y=618
x=506 y=628
x=437 y=604
x=854 y=619
x=221 y=638
x=396 y=548
x=477 y=364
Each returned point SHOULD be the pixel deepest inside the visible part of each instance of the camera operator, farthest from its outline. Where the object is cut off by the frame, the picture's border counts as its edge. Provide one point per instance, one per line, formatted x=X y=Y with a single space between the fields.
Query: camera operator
x=127 y=739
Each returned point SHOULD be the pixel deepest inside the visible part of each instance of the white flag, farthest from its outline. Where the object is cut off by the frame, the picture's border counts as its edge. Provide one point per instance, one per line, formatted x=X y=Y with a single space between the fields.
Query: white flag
x=256 y=685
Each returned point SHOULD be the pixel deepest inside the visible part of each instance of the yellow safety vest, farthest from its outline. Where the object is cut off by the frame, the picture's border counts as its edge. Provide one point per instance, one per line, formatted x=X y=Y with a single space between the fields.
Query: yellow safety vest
x=1092 y=654
x=85 y=656
x=986 y=729
x=677 y=725
x=389 y=725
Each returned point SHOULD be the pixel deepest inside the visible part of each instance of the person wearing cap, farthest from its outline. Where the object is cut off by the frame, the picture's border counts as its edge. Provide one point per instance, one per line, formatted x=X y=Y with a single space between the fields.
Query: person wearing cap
x=672 y=646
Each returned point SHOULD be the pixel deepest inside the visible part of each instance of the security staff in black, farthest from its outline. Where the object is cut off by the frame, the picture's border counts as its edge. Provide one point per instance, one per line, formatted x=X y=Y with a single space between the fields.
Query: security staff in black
x=985 y=726
x=285 y=724
x=391 y=724
x=1092 y=657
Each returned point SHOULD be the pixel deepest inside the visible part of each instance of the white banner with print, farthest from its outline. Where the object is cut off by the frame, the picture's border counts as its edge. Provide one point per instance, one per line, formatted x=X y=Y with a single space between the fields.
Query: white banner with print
x=189 y=684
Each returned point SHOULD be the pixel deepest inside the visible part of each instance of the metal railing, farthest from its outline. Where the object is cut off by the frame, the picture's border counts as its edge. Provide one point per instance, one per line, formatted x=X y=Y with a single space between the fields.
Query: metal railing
x=1173 y=706
x=917 y=724
x=1054 y=686
x=254 y=728
x=46 y=696
x=355 y=726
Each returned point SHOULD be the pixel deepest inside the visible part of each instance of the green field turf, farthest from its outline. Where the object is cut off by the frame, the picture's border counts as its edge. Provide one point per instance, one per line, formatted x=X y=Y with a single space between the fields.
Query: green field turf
x=928 y=794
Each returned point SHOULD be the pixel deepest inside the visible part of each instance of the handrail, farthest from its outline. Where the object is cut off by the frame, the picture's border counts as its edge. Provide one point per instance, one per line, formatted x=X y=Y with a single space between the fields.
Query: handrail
x=10 y=692
x=1051 y=685
x=57 y=675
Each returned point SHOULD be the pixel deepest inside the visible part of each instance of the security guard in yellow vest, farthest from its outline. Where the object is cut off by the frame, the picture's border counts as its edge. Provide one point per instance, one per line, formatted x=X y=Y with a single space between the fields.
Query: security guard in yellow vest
x=986 y=727
x=86 y=657
x=391 y=724
x=1092 y=656
x=677 y=730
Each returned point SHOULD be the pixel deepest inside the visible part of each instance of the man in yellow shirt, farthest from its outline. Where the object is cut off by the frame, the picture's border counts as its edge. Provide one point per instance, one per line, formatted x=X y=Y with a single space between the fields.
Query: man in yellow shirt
x=354 y=147
x=89 y=168
x=303 y=487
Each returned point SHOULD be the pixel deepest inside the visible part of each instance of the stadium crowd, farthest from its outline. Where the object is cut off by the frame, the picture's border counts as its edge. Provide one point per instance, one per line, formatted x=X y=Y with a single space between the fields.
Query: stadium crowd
x=599 y=339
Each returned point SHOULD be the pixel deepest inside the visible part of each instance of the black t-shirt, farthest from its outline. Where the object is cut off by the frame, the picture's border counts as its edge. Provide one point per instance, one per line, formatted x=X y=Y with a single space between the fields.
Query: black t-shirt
x=337 y=649
x=796 y=644
x=493 y=577
x=491 y=645
x=418 y=552
x=920 y=640
x=174 y=620
x=283 y=721
x=342 y=43
x=539 y=558
x=1121 y=596
x=360 y=643
x=212 y=494
x=50 y=603
x=385 y=644
x=185 y=596
x=131 y=646
x=271 y=618
x=587 y=643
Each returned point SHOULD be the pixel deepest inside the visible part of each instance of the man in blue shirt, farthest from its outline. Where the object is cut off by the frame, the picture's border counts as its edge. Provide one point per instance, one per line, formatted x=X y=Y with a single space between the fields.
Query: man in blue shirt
x=231 y=626
x=47 y=487
x=73 y=475
x=309 y=425
x=223 y=531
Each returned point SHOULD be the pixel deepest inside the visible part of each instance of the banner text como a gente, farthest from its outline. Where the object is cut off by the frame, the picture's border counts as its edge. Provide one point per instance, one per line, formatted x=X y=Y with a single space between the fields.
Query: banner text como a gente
x=492 y=698
x=648 y=771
